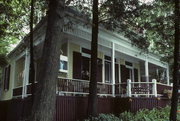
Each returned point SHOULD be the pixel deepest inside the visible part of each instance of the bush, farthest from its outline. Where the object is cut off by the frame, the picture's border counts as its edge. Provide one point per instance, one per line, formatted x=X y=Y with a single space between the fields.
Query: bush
x=104 y=117
x=142 y=115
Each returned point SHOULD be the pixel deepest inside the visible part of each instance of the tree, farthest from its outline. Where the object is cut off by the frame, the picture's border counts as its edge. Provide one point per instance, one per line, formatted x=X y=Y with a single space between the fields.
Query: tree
x=32 y=69
x=106 y=9
x=14 y=21
x=174 y=100
x=156 y=22
x=92 y=100
x=5 y=10
x=45 y=97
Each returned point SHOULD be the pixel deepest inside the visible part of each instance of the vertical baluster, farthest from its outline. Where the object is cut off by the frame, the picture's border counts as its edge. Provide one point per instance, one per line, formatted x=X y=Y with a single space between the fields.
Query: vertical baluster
x=75 y=86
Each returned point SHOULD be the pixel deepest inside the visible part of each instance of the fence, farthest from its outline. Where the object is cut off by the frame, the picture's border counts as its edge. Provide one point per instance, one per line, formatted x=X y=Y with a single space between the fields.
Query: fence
x=71 y=108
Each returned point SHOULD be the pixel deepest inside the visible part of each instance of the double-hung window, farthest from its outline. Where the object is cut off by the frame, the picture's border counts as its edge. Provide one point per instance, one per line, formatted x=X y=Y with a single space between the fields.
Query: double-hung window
x=108 y=72
x=63 y=64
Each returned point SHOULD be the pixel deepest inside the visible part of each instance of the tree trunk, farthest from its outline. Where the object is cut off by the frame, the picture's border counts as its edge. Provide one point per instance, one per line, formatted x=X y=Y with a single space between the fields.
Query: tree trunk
x=174 y=100
x=92 y=101
x=32 y=69
x=45 y=97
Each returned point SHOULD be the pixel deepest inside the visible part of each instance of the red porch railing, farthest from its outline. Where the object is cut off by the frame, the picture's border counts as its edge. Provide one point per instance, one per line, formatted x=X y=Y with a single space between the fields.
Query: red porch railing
x=81 y=87
x=73 y=87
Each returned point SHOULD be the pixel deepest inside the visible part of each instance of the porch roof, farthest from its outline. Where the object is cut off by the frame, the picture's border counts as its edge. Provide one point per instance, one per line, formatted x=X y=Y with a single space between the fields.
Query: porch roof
x=122 y=44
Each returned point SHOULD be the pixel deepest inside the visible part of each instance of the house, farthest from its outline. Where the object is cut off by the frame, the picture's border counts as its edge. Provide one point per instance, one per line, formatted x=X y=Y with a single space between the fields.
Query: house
x=123 y=70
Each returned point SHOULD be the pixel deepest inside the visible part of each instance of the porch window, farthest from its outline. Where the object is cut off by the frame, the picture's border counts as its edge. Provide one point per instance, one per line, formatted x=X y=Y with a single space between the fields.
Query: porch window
x=6 y=77
x=19 y=72
x=99 y=70
x=63 y=64
x=82 y=65
x=136 y=75
x=130 y=70
x=116 y=73
x=77 y=65
x=108 y=73
x=85 y=68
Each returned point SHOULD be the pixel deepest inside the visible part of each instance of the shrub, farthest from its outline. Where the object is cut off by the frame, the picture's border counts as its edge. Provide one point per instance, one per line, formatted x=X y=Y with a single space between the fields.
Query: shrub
x=104 y=117
x=142 y=115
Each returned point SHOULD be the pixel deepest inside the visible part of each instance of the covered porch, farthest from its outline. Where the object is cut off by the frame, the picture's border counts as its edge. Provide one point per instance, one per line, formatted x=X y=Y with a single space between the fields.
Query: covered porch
x=123 y=70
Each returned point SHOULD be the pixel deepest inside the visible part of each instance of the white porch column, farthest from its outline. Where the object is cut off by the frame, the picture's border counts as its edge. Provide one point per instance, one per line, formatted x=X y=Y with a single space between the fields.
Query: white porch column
x=146 y=69
x=113 y=68
x=154 y=81
x=129 y=88
x=26 y=74
x=167 y=74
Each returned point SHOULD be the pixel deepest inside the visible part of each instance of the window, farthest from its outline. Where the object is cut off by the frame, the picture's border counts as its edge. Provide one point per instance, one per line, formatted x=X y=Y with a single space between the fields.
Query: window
x=63 y=64
x=108 y=73
x=116 y=73
x=19 y=72
x=130 y=70
x=85 y=68
x=6 y=77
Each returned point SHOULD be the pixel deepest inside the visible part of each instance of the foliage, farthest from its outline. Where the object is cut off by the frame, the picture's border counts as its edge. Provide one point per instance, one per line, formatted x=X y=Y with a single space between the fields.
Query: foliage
x=157 y=22
x=118 y=16
x=14 y=21
x=150 y=26
x=104 y=117
x=142 y=115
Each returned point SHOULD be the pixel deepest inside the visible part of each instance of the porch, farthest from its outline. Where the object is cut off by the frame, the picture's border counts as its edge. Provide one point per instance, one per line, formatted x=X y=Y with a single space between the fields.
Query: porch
x=77 y=87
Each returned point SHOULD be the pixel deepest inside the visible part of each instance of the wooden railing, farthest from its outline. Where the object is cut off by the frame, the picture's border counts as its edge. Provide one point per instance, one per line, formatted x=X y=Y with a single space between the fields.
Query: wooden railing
x=81 y=87
x=73 y=87
x=120 y=89
x=19 y=93
x=161 y=87
x=141 y=88
x=147 y=89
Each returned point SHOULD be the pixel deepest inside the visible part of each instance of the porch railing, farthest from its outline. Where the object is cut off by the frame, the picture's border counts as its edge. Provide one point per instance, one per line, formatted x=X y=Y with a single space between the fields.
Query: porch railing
x=130 y=89
x=141 y=88
x=81 y=87
x=120 y=89
x=73 y=87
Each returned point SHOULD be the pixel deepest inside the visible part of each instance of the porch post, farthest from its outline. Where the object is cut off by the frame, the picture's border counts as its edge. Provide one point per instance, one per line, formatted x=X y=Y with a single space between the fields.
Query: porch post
x=113 y=69
x=26 y=74
x=129 y=88
x=167 y=74
x=146 y=69
x=154 y=87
